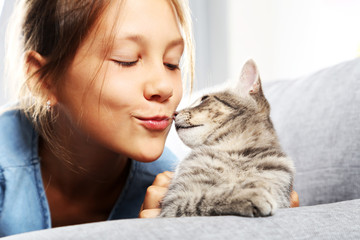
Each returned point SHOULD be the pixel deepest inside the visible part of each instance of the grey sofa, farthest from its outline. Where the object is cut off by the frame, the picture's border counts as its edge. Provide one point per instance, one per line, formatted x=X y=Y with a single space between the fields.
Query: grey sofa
x=318 y=121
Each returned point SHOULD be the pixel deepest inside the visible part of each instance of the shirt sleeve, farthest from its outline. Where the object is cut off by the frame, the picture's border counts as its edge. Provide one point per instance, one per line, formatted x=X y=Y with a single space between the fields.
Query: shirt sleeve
x=2 y=190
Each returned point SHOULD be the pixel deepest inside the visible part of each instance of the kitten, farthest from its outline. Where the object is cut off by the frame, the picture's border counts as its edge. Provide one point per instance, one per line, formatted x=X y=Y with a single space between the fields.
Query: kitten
x=236 y=166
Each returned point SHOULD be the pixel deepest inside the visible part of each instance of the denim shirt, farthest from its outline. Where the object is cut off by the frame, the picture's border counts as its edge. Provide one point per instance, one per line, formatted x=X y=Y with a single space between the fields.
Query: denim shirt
x=23 y=202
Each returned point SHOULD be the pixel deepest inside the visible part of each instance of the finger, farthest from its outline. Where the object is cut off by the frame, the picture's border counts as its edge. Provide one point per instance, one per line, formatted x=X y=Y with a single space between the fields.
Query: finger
x=294 y=199
x=169 y=174
x=153 y=196
x=150 y=213
x=163 y=179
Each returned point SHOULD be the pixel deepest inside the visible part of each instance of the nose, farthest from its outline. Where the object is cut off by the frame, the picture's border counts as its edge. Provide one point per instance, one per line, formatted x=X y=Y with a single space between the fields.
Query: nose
x=158 y=86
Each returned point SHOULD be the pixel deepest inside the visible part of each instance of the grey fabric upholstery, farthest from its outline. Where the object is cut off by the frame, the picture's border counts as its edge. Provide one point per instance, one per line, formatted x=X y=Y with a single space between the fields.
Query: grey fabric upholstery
x=317 y=118
x=331 y=221
x=318 y=121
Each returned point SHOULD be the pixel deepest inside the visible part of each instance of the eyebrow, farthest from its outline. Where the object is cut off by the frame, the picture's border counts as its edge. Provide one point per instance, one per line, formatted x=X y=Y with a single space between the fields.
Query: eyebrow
x=176 y=42
x=141 y=39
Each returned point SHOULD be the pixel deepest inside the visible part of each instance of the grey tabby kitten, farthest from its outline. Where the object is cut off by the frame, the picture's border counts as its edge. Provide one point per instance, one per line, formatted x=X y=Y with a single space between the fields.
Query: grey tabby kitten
x=236 y=166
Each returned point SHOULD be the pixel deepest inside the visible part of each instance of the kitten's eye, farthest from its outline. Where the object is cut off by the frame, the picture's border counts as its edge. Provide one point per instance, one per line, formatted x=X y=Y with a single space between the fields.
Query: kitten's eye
x=204 y=97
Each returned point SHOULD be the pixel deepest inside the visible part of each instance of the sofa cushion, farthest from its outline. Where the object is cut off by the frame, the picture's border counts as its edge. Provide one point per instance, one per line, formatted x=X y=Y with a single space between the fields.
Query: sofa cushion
x=328 y=221
x=317 y=118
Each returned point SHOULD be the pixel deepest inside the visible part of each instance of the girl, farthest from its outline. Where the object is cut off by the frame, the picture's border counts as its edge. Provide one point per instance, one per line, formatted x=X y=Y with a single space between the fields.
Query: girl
x=102 y=83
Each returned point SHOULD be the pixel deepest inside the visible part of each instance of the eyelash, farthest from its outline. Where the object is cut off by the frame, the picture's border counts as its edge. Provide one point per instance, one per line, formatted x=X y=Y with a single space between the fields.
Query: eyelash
x=204 y=98
x=171 y=67
x=126 y=64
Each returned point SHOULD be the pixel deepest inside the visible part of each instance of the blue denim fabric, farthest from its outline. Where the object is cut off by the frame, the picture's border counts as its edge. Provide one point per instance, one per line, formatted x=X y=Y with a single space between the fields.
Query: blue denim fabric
x=23 y=203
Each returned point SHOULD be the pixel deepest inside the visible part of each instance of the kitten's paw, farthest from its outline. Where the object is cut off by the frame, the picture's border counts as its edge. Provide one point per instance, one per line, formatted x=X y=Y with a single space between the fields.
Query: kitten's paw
x=171 y=209
x=255 y=208
x=165 y=214
x=257 y=204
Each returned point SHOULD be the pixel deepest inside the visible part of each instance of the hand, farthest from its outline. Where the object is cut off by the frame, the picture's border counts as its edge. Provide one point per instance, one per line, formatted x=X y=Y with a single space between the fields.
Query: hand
x=154 y=194
x=294 y=199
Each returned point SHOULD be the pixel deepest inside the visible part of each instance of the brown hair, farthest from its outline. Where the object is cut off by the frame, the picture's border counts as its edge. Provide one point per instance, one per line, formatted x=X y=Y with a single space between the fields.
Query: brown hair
x=55 y=29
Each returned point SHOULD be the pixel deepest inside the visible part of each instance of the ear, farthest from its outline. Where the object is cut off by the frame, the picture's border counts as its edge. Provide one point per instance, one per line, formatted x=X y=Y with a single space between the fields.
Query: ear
x=249 y=81
x=34 y=62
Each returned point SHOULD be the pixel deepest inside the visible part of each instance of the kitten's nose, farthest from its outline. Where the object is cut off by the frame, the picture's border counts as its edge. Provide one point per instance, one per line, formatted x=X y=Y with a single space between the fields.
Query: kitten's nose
x=175 y=114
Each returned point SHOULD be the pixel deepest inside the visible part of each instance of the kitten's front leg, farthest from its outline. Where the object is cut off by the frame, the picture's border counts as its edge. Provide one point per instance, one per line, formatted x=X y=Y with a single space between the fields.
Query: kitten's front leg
x=181 y=202
x=256 y=202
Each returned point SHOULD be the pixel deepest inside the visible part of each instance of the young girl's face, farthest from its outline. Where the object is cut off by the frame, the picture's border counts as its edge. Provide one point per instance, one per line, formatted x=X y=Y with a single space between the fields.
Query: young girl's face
x=128 y=107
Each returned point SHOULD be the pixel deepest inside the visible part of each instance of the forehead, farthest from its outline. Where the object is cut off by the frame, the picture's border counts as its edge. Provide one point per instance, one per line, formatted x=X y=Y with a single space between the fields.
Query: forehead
x=150 y=18
x=234 y=100
x=226 y=96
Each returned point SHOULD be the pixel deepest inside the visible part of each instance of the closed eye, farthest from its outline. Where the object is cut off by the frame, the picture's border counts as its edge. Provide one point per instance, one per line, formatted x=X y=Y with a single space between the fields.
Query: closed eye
x=172 y=67
x=126 y=64
x=225 y=103
x=204 y=97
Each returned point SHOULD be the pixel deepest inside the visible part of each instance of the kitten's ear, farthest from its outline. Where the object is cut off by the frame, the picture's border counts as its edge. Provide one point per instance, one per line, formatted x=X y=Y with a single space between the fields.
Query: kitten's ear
x=249 y=82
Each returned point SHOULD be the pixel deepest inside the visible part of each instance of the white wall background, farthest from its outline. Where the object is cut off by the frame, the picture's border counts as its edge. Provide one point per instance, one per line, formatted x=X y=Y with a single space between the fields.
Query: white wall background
x=287 y=38
x=5 y=10
x=211 y=34
x=1 y=4
x=3 y=23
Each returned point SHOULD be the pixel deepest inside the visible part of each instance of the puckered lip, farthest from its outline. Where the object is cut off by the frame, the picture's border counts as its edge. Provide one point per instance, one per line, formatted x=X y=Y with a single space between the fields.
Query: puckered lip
x=154 y=118
x=155 y=123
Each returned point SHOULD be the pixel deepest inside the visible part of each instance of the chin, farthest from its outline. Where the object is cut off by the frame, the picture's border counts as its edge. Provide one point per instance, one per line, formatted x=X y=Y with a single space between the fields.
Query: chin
x=149 y=153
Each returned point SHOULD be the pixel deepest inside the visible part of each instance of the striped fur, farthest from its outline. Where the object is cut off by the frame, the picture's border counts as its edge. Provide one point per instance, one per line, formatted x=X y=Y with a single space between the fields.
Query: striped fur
x=236 y=166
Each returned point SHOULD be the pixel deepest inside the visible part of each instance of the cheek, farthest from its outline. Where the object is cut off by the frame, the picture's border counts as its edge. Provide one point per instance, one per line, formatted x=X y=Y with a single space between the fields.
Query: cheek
x=81 y=85
x=112 y=102
x=200 y=117
x=97 y=106
x=177 y=90
x=119 y=93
